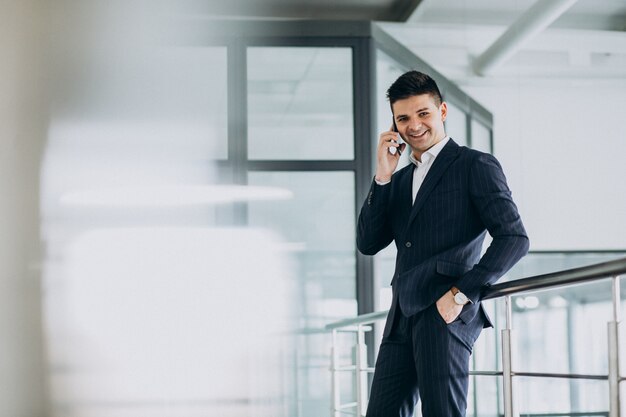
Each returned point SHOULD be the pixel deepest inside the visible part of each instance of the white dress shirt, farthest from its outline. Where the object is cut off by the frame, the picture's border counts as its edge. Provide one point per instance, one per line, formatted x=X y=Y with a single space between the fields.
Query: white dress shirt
x=423 y=166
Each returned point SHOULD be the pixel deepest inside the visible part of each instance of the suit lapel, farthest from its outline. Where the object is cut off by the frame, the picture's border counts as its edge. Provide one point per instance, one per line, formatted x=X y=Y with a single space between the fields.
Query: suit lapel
x=406 y=183
x=447 y=155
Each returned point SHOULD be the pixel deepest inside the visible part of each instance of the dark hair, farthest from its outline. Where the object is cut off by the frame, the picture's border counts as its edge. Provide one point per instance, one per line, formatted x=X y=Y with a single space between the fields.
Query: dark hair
x=413 y=83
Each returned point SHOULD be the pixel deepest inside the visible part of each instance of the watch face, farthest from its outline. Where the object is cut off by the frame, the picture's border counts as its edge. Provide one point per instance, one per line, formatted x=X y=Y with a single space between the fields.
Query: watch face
x=460 y=298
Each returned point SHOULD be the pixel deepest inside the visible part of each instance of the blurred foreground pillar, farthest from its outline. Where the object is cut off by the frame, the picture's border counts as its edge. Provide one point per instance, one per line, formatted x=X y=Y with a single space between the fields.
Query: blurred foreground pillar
x=22 y=132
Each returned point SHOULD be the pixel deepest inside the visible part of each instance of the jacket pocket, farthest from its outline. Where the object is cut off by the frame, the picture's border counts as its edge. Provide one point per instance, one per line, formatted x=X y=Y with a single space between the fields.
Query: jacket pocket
x=452 y=269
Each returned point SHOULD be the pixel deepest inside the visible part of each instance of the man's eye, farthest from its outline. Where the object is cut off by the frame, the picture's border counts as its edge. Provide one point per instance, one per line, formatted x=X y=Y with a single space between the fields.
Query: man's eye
x=424 y=114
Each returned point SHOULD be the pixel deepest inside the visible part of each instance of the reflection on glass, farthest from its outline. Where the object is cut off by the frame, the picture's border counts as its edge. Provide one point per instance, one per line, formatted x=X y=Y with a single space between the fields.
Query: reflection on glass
x=300 y=103
x=455 y=124
x=552 y=396
x=318 y=225
x=481 y=137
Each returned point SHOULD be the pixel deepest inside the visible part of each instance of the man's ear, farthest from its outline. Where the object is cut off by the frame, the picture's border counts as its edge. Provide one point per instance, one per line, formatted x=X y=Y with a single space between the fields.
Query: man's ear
x=443 y=108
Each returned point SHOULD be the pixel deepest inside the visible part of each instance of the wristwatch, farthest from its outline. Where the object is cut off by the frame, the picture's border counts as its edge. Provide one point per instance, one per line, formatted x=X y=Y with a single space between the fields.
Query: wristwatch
x=459 y=298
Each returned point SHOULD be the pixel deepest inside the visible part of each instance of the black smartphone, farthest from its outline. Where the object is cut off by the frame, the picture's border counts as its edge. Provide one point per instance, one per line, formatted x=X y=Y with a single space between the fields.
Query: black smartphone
x=393 y=150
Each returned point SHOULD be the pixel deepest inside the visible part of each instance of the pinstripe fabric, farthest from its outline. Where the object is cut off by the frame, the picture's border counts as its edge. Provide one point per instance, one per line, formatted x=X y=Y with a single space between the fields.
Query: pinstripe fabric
x=423 y=357
x=439 y=239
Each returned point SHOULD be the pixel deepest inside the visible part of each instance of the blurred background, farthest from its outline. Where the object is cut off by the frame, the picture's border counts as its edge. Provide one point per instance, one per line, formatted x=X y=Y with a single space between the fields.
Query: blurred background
x=181 y=180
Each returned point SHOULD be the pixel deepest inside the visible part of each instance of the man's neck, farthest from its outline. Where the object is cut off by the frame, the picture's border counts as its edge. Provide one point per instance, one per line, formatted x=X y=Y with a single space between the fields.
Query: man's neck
x=418 y=155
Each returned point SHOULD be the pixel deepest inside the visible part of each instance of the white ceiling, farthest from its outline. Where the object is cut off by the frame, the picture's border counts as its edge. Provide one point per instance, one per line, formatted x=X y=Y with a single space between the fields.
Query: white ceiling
x=584 y=14
x=587 y=41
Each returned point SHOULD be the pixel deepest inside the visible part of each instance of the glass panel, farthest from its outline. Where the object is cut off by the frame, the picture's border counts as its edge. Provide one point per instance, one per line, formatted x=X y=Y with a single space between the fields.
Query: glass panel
x=319 y=226
x=481 y=137
x=455 y=124
x=551 y=396
x=543 y=263
x=485 y=396
x=387 y=71
x=300 y=103
x=563 y=330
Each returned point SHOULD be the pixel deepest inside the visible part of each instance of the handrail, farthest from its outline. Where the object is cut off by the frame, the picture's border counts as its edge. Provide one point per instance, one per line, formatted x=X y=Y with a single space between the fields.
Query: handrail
x=611 y=269
x=362 y=319
x=555 y=279
x=533 y=283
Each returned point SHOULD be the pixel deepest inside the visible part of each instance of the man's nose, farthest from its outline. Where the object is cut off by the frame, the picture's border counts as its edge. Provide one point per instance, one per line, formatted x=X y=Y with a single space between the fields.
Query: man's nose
x=415 y=125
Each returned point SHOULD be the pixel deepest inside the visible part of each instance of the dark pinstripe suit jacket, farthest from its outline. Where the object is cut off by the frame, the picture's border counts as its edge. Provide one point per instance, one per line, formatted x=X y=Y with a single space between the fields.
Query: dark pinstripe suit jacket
x=439 y=237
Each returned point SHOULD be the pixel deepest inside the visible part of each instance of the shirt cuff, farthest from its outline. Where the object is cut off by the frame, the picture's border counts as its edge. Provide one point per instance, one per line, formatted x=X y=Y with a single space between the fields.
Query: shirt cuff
x=381 y=182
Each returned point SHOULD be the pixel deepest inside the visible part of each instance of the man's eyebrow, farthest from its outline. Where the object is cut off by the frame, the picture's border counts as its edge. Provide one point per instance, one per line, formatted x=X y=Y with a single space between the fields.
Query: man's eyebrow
x=398 y=116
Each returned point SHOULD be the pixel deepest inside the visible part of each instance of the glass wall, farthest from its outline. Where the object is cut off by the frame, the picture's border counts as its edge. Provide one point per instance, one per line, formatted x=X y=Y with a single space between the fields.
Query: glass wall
x=481 y=137
x=456 y=124
x=300 y=103
x=300 y=109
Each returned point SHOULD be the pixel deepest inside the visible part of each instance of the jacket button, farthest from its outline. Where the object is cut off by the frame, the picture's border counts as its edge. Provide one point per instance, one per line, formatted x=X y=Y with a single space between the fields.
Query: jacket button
x=407 y=244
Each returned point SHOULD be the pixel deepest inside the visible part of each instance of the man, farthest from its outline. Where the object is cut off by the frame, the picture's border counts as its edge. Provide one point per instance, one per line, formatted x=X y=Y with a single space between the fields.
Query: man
x=437 y=210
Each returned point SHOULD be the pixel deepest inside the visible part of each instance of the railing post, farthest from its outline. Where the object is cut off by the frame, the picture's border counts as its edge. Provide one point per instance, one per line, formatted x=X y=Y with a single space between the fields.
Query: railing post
x=360 y=372
x=507 y=359
x=334 y=364
x=614 y=374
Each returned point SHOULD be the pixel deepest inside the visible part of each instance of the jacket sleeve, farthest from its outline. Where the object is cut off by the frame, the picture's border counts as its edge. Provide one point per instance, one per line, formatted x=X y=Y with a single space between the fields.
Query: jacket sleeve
x=491 y=197
x=374 y=229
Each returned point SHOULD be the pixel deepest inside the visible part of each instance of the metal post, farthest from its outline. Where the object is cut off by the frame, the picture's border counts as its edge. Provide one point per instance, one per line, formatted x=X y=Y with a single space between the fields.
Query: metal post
x=614 y=397
x=507 y=373
x=334 y=364
x=360 y=372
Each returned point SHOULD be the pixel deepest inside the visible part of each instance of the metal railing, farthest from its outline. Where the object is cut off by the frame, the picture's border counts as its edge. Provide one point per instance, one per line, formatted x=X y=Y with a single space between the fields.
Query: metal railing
x=361 y=324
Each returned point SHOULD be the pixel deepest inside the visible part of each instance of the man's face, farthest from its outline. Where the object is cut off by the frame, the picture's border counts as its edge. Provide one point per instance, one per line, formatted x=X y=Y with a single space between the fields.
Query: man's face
x=420 y=122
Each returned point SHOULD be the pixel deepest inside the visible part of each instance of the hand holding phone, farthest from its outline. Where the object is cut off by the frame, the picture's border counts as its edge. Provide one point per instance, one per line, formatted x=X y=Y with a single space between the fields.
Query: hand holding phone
x=393 y=149
x=388 y=154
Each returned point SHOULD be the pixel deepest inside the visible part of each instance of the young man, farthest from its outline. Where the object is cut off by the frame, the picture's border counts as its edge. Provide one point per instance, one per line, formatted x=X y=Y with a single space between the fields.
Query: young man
x=437 y=211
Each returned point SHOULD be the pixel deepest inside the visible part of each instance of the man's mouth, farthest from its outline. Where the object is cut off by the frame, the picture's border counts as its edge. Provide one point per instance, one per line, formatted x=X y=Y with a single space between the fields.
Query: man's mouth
x=418 y=135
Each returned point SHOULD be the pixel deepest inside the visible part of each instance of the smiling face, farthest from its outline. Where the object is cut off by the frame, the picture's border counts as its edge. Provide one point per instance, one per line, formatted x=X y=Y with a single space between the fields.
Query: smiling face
x=419 y=121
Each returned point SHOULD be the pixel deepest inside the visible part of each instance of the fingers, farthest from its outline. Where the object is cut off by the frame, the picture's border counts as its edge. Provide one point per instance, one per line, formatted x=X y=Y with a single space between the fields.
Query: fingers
x=389 y=141
x=447 y=309
x=388 y=154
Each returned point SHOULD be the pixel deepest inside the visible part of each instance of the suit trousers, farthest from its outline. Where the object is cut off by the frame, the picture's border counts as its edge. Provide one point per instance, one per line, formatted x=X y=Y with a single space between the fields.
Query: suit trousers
x=424 y=358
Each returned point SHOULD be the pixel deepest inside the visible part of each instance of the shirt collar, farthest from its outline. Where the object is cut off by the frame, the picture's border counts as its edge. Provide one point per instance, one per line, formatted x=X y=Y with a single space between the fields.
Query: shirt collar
x=430 y=154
